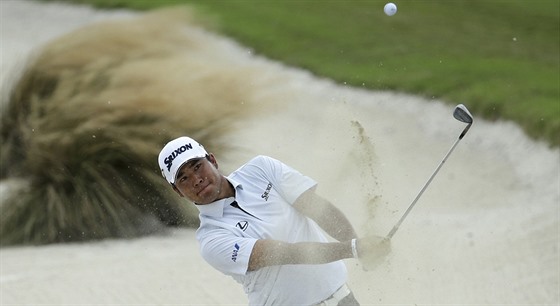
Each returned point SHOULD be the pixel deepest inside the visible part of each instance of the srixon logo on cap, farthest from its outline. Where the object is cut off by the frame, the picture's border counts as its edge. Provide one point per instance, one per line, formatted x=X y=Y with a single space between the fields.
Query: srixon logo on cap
x=169 y=159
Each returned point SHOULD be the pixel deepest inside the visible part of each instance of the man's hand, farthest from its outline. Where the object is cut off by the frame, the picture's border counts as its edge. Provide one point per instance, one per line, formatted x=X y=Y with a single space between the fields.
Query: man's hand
x=373 y=250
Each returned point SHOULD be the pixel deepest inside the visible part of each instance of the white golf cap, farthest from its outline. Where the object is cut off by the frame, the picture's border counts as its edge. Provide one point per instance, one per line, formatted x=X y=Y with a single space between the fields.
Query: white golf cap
x=176 y=153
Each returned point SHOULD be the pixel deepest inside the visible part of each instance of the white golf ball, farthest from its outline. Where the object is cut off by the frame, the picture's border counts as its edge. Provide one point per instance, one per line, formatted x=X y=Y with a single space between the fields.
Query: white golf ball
x=390 y=9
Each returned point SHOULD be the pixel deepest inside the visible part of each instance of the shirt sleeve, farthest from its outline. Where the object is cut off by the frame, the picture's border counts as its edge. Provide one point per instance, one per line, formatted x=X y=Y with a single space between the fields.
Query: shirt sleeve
x=289 y=182
x=226 y=252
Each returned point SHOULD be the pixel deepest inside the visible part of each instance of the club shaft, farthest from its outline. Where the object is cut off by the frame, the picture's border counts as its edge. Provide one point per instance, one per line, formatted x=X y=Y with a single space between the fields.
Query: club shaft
x=396 y=227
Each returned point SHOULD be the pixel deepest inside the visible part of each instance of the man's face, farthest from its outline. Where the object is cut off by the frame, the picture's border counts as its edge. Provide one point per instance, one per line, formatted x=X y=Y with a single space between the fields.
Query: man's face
x=199 y=180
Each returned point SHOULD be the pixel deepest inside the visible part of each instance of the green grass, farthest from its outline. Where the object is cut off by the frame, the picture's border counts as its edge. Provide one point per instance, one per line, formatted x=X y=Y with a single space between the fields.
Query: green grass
x=501 y=58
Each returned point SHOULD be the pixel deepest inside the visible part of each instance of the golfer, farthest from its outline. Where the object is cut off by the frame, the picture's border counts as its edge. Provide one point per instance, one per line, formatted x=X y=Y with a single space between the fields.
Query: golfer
x=263 y=225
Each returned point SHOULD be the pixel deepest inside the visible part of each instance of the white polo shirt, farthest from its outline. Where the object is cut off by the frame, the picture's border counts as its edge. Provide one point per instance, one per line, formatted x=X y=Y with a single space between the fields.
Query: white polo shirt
x=265 y=190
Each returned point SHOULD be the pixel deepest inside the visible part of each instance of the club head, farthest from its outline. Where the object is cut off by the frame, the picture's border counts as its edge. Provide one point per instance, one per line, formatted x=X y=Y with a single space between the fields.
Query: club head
x=462 y=114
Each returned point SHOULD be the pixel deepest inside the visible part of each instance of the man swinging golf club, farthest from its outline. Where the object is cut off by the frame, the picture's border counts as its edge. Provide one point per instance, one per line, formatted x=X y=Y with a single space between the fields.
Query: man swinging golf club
x=262 y=226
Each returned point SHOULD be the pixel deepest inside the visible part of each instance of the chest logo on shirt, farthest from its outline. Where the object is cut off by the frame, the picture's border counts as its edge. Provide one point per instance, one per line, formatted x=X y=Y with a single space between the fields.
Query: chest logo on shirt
x=243 y=225
x=267 y=191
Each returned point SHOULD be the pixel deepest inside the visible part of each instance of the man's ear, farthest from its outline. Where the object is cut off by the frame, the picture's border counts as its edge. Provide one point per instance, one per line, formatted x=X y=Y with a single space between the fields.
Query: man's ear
x=177 y=191
x=212 y=160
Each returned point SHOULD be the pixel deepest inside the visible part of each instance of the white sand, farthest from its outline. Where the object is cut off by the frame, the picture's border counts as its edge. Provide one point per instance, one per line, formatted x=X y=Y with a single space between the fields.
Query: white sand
x=486 y=232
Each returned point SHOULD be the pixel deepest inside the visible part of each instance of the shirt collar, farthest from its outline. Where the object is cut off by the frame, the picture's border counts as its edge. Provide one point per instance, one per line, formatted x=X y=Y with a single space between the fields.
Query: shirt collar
x=216 y=208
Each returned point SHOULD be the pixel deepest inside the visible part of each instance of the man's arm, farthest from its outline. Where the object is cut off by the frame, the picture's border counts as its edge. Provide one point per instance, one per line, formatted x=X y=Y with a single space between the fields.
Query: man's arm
x=326 y=215
x=267 y=252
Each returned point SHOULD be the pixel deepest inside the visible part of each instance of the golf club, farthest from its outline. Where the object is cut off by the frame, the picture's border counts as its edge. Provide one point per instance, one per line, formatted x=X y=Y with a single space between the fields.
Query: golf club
x=462 y=114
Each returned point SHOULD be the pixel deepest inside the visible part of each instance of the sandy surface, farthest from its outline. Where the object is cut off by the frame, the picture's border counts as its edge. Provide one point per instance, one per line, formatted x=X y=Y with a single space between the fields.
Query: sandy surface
x=486 y=232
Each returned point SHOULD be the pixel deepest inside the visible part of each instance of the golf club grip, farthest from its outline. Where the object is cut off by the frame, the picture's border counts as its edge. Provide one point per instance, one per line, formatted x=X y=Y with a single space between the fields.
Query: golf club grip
x=396 y=227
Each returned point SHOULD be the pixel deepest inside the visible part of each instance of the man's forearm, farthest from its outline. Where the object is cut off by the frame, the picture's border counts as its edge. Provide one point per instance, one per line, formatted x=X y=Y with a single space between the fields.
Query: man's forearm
x=334 y=223
x=271 y=253
x=326 y=215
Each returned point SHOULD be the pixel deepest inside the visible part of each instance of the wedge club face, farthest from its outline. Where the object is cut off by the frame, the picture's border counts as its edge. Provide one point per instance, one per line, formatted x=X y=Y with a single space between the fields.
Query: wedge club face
x=462 y=114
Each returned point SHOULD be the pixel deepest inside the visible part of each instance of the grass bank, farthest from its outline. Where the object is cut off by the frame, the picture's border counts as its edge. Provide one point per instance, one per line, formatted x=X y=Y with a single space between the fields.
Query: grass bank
x=499 y=57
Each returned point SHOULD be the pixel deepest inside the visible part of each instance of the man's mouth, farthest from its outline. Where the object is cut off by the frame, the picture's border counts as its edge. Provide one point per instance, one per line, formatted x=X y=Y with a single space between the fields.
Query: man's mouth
x=202 y=189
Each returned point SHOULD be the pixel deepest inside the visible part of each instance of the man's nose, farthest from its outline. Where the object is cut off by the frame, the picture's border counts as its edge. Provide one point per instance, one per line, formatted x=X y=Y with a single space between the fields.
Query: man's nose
x=197 y=180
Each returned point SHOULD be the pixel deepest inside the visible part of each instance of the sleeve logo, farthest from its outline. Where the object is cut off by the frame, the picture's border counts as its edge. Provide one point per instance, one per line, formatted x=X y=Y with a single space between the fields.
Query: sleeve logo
x=266 y=193
x=235 y=251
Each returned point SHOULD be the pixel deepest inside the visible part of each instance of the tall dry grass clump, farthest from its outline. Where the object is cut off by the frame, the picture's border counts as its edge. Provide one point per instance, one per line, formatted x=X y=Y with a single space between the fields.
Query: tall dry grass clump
x=85 y=121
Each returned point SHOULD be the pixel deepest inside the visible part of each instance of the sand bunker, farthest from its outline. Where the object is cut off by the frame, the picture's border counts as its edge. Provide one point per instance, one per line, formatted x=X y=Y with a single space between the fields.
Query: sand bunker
x=485 y=232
